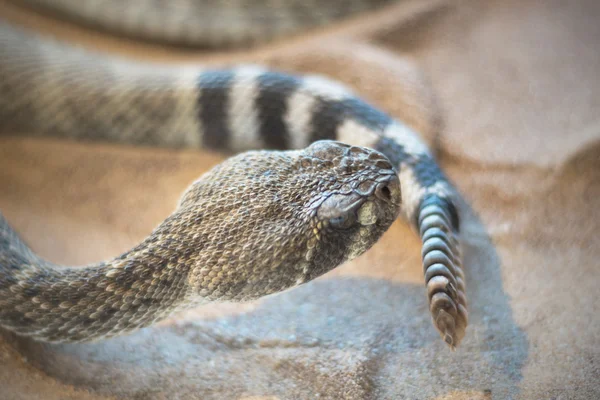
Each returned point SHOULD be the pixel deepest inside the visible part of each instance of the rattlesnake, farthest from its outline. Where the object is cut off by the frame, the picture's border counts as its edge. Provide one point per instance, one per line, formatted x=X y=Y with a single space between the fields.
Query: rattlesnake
x=259 y=223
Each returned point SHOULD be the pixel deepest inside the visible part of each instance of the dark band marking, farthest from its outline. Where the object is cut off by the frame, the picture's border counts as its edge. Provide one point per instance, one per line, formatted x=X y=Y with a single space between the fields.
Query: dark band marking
x=444 y=204
x=393 y=150
x=365 y=114
x=426 y=171
x=327 y=117
x=271 y=102
x=213 y=103
x=330 y=114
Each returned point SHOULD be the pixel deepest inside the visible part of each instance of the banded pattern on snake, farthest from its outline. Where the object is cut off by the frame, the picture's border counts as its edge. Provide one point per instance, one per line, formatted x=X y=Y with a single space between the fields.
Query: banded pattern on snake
x=259 y=223
x=206 y=23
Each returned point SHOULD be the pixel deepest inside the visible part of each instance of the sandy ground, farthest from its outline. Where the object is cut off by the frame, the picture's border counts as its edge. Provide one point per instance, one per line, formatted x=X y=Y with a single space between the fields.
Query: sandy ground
x=516 y=85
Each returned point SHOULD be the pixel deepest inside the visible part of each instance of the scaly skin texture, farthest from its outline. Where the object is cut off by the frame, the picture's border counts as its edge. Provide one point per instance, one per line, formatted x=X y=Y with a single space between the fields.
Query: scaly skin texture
x=257 y=224
x=49 y=88
x=206 y=23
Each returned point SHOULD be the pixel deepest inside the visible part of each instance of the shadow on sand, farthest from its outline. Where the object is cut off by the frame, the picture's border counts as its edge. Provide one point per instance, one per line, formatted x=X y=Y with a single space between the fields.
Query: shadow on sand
x=339 y=337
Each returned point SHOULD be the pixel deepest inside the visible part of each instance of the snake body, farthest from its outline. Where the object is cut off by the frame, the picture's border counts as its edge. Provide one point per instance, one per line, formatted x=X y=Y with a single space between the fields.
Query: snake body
x=259 y=223
x=206 y=23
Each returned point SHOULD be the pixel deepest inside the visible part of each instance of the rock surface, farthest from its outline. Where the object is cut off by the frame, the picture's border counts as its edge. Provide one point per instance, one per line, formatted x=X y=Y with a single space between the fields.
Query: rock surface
x=517 y=86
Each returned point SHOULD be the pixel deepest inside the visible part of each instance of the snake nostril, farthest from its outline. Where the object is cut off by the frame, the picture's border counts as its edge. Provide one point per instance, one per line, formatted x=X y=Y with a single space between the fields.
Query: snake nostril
x=384 y=192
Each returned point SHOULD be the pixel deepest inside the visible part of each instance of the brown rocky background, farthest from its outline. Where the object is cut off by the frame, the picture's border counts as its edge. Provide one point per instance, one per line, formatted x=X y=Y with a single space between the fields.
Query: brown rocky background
x=517 y=90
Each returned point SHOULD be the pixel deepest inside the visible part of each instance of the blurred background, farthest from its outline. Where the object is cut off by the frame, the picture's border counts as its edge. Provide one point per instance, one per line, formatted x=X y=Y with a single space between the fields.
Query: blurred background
x=505 y=92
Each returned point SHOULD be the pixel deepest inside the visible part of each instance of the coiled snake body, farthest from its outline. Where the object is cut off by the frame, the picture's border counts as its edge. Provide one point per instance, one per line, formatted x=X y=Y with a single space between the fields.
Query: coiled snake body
x=259 y=223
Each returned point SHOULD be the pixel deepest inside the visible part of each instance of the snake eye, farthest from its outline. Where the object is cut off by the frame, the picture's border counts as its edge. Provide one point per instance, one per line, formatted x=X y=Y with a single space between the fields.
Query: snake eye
x=345 y=221
x=340 y=210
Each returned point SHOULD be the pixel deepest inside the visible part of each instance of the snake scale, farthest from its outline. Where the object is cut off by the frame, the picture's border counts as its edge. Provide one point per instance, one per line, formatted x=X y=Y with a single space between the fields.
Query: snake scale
x=261 y=222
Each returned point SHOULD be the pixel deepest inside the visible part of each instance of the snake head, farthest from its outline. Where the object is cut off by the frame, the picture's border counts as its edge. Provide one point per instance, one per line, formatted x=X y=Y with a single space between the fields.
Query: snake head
x=359 y=204
x=265 y=221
